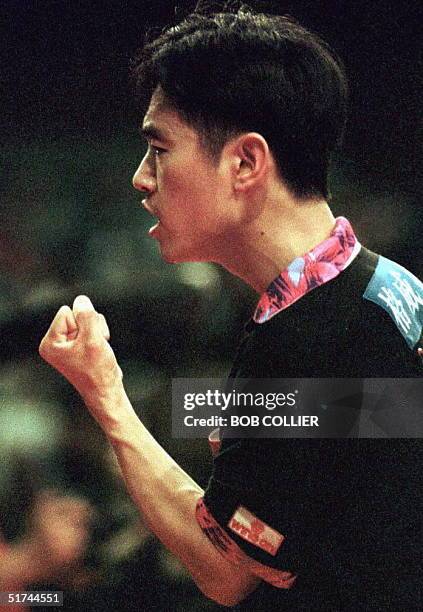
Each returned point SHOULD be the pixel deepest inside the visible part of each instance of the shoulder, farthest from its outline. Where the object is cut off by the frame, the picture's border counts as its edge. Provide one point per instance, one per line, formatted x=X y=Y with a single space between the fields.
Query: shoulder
x=365 y=322
x=391 y=318
x=400 y=294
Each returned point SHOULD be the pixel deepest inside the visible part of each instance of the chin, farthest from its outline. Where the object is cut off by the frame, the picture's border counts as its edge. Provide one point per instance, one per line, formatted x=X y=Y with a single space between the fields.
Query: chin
x=170 y=259
x=174 y=252
x=177 y=257
x=171 y=256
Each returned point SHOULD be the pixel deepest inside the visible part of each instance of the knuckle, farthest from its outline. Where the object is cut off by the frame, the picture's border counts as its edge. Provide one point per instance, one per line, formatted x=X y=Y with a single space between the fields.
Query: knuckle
x=43 y=349
x=87 y=315
x=92 y=346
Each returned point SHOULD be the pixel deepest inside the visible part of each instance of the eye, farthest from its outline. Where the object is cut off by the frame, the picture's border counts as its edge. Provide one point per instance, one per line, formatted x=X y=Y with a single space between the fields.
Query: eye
x=157 y=151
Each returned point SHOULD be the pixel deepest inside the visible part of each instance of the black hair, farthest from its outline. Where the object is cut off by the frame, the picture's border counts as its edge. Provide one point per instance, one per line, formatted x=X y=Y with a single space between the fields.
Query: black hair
x=229 y=73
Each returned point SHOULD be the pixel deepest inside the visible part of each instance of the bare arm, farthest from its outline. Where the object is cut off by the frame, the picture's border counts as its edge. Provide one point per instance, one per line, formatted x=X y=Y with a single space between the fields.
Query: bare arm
x=77 y=346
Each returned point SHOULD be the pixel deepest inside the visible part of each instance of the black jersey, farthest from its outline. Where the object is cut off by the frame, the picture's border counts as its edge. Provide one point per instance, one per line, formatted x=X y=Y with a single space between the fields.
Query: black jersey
x=333 y=523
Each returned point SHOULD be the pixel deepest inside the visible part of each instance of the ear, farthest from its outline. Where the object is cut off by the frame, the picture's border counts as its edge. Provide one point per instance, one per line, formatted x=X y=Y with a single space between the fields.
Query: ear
x=251 y=161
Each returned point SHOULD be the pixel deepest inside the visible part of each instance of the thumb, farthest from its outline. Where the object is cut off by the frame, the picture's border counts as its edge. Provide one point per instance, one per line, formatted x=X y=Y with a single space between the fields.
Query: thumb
x=82 y=303
x=89 y=322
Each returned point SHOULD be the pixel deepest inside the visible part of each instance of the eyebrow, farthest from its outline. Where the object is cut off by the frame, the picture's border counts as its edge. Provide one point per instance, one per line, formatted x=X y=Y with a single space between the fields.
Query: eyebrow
x=150 y=131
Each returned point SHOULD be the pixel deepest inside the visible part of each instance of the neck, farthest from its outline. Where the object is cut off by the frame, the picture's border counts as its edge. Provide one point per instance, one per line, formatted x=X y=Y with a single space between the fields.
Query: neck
x=285 y=229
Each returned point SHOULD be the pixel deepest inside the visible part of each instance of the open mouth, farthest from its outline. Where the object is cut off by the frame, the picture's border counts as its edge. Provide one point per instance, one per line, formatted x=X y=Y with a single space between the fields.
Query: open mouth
x=152 y=231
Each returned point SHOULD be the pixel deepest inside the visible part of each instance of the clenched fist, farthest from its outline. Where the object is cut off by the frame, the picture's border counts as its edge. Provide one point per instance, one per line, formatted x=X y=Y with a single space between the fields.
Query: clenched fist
x=76 y=345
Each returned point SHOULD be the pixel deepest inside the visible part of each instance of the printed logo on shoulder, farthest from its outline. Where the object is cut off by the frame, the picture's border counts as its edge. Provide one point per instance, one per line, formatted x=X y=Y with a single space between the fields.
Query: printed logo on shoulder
x=247 y=526
x=400 y=293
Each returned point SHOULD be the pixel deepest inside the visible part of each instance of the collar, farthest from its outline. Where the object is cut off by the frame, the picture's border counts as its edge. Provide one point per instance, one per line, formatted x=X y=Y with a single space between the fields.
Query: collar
x=320 y=265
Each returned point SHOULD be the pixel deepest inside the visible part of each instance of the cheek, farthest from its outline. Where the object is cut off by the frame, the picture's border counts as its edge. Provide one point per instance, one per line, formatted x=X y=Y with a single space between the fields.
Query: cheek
x=189 y=195
x=185 y=190
x=169 y=180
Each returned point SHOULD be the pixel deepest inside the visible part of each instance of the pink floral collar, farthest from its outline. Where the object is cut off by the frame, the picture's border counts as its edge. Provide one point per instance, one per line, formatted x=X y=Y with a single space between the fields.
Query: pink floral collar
x=323 y=263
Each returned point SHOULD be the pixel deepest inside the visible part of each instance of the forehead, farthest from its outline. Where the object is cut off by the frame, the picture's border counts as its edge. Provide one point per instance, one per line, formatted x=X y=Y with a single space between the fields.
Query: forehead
x=163 y=122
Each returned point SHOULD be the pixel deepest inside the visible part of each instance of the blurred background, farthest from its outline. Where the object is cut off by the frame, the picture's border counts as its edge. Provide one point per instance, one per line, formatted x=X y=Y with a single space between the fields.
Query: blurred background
x=71 y=223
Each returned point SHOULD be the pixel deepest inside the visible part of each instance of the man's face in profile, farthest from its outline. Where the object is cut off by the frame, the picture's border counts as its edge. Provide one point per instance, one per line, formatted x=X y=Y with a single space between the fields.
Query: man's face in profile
x=185 y=189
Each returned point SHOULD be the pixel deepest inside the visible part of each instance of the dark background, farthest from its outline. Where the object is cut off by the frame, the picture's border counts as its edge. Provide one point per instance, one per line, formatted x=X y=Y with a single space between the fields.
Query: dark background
x=64 y=68
x=71 y=222
x=68 y=125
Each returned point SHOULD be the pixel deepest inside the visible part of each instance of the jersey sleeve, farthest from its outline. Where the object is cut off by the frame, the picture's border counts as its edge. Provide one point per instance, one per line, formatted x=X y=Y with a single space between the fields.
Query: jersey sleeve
x=267 y=503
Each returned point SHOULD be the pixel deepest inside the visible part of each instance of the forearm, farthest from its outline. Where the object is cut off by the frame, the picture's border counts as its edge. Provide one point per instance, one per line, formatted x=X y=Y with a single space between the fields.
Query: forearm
x=76 y=344
x=167 y=497
x=162 y=491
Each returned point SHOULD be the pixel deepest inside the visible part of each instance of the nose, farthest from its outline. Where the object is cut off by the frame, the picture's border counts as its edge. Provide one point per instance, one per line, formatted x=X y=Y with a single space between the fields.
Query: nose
x=144 y=178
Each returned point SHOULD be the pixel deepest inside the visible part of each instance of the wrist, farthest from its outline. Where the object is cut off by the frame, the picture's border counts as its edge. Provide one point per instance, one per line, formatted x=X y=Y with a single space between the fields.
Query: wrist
x=111 y=407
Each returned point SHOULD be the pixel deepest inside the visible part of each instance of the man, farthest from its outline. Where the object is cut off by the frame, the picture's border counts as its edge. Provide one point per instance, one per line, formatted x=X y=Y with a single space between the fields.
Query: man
x=244 y=113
